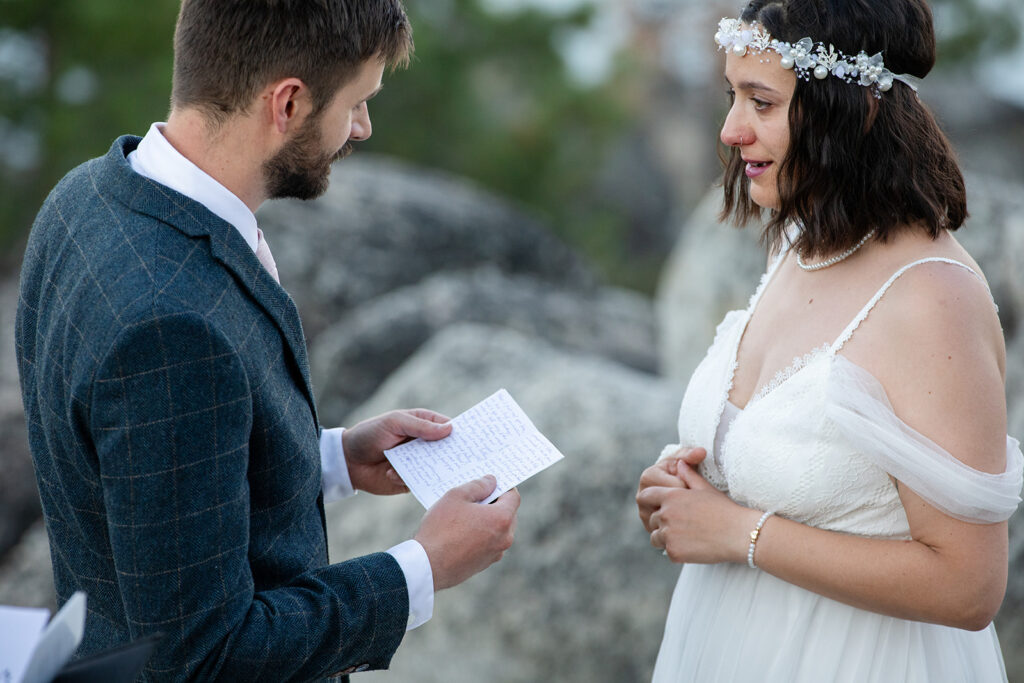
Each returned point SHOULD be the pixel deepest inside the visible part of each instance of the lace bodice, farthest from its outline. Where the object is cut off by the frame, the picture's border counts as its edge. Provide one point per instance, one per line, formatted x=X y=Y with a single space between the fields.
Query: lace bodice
x=821 y=445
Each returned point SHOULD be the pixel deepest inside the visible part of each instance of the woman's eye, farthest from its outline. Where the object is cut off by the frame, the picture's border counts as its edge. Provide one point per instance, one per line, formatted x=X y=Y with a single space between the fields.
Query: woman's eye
x=760 y=105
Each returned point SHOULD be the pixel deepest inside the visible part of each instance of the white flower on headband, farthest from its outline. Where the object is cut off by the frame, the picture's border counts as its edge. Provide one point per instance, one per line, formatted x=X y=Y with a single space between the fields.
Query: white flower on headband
x=798 y=55
x=806 y=57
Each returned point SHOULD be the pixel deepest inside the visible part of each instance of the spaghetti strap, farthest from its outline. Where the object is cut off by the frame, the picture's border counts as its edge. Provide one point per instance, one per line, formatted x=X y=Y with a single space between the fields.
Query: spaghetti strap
x=855 y=323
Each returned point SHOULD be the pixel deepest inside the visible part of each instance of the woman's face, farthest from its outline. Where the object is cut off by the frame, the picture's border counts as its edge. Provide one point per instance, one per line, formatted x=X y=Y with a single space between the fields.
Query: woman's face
x=758 y=120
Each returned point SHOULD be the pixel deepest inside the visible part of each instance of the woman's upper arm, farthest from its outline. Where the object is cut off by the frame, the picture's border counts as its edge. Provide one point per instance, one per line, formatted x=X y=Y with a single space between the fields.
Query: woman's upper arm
x=942 y=371
x=943 y=367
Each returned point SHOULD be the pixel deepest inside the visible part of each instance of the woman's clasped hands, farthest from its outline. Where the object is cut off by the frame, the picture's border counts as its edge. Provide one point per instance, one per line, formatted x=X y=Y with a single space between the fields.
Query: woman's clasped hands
x=688 y=517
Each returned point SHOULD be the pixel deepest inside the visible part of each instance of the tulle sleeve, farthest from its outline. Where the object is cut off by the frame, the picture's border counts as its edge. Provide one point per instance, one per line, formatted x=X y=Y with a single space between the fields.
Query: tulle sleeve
x=857 y=404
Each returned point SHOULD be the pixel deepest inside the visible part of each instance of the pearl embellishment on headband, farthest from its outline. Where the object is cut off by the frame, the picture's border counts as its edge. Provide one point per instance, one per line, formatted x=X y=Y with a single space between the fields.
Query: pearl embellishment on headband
x=807 y=57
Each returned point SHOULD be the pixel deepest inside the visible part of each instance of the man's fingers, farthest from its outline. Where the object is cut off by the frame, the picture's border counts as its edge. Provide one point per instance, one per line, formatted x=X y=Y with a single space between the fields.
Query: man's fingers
x=429 y=415
x=421 y=424
x=394 y=478
x=475 y=490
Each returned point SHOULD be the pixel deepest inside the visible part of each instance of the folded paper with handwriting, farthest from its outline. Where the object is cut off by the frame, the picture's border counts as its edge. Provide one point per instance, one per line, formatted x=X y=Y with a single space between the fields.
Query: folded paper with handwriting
x=493 y=437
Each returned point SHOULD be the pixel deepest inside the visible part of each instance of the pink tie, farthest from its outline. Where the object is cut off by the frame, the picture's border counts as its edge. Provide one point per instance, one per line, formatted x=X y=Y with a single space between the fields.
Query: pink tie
x=264 y=255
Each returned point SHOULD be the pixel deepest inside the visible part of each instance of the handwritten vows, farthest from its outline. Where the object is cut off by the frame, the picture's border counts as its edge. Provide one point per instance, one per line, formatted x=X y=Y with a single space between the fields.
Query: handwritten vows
x=493 y=437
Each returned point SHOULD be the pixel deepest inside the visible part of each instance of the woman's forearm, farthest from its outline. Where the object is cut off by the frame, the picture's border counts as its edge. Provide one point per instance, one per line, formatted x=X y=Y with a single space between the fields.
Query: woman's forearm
x=959 y=584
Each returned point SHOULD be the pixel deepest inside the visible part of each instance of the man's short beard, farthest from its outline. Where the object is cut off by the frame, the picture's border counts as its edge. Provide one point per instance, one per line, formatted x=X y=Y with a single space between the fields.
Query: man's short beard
x=300 y=170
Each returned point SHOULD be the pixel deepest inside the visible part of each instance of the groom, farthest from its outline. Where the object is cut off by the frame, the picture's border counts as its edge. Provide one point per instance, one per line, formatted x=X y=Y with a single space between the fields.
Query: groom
x=177 y=448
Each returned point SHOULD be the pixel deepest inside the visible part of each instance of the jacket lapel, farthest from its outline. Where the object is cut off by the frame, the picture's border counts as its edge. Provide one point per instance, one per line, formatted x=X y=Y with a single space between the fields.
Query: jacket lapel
x=226 y=246
x=234 y=253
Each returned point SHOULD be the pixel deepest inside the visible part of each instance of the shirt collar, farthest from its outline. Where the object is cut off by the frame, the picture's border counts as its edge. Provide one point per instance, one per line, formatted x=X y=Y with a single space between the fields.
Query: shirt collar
x=156 y=159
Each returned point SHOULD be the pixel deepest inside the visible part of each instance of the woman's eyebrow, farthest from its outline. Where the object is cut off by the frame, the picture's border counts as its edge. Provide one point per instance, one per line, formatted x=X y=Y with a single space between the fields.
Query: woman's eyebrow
x=754 y=85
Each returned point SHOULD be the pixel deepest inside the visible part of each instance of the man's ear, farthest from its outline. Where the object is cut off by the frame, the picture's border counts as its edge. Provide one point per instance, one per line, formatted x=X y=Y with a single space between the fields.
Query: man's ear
x=289 y=102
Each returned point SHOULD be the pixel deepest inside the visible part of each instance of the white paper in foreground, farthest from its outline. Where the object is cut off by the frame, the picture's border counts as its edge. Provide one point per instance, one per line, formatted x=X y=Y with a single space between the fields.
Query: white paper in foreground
x=20 y=628
x=493 y=437
x=30 y=653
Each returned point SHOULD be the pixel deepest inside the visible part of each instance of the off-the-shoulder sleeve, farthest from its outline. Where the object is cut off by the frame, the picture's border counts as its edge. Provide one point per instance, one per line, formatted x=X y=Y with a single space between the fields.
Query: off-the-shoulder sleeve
x=859 y=407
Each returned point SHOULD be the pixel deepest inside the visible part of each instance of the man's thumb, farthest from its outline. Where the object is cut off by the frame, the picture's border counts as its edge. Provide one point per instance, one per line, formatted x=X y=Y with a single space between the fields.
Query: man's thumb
x=478 y=489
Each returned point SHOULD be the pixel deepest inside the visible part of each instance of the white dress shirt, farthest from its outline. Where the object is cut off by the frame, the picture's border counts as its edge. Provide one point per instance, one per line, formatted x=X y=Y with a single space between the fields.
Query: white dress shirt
x=156 y=159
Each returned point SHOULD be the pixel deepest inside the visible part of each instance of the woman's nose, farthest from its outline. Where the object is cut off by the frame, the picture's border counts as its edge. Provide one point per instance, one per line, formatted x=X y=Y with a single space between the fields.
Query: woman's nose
x=734 y=132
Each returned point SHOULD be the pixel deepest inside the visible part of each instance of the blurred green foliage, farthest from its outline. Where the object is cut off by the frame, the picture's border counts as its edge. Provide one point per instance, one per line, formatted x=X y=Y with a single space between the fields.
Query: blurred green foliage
x=127 y=49
x=975 y=29
x=487 y=97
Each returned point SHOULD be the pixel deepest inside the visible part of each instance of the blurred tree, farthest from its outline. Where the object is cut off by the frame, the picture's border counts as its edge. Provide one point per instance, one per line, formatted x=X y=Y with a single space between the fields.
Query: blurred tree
x=85 y=72
x=969 y=30
x=488 y=97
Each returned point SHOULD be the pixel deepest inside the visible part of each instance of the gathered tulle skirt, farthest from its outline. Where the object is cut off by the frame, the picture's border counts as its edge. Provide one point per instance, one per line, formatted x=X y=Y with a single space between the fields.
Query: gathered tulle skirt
x=736 y=624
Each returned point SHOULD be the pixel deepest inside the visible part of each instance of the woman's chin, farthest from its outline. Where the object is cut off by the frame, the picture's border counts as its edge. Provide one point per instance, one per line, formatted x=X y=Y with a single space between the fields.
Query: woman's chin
x=763 y=198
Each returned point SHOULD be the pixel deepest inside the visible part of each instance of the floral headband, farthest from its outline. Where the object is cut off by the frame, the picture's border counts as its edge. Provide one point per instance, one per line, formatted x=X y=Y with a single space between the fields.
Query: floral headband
x=807 y=57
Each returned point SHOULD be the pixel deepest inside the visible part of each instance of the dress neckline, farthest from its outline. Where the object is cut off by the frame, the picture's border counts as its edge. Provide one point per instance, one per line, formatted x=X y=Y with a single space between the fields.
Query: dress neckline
x=827 y=350
x=801 y=362
x=755 y=298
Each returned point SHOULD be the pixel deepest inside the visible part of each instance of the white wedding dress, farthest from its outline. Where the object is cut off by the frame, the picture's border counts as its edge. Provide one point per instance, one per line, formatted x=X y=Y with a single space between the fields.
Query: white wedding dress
x=820 y=445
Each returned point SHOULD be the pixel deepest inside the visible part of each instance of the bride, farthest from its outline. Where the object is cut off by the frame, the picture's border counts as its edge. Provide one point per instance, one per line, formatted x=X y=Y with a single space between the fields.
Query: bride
x=841 y=490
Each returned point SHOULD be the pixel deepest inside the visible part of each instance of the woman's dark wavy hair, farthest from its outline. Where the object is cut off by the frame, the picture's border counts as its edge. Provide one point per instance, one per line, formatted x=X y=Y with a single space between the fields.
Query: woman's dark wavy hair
x=855 y=163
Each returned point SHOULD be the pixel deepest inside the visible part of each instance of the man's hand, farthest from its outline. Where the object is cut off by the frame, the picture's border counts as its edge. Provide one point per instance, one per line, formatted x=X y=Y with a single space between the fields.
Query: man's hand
x=665 y=473
x=462 y=537
x=364 y=446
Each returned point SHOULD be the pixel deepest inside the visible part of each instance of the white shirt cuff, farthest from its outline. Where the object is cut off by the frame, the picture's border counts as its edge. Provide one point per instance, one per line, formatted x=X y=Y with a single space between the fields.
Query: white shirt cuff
x=419 y=581
x=335 y=481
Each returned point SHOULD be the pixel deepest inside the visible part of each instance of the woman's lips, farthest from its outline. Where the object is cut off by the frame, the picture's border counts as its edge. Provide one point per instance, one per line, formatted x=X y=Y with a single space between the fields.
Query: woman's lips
x=756 y=168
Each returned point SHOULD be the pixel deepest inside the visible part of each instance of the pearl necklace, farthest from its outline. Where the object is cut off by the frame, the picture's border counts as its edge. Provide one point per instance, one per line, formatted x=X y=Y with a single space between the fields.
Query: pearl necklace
x=835 y=259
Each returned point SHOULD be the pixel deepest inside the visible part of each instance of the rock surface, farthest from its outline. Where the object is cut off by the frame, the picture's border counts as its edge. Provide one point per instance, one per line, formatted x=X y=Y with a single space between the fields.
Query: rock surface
x=581 y=596
x=19 y=498
x=994 y=235
x=383 y=225
x=354 y=354
x=26 y=575
x=713 y=269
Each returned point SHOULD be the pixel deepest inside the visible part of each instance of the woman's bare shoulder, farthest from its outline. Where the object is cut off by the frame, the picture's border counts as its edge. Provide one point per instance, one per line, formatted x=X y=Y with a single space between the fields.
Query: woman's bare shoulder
x=935 y=343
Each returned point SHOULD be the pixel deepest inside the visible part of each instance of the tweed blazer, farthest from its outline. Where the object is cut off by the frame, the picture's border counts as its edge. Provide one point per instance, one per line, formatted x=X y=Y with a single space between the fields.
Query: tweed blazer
x=176 y=443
